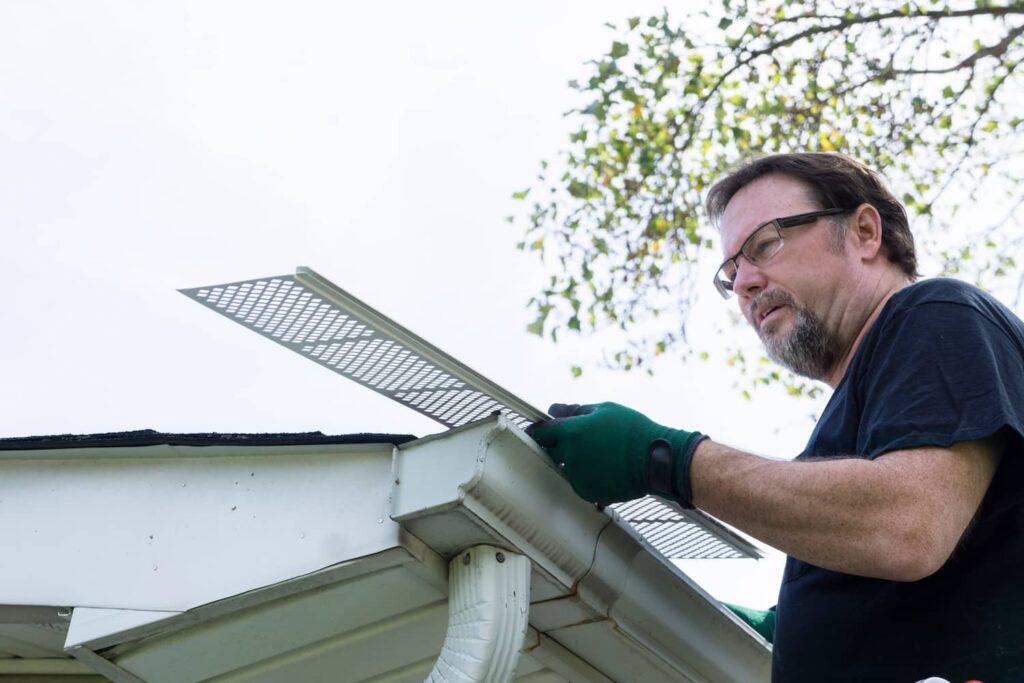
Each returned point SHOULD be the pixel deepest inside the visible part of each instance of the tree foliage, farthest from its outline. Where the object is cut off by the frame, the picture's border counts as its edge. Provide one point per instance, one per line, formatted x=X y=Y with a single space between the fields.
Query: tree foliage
x=929 y=93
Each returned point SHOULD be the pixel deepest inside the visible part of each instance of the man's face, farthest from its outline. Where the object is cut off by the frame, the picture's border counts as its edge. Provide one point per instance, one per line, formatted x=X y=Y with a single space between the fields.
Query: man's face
x=793 y=300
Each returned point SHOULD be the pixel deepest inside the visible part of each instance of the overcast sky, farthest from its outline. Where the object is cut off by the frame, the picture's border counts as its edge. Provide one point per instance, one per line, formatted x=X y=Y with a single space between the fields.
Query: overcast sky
x=146 y=147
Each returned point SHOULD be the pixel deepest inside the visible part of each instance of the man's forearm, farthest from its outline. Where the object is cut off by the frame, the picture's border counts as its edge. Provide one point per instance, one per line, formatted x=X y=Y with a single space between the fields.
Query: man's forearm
x=896 y=517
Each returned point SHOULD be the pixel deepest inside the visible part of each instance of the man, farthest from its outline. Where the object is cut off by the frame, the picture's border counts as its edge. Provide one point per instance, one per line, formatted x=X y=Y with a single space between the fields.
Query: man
x=903 y=519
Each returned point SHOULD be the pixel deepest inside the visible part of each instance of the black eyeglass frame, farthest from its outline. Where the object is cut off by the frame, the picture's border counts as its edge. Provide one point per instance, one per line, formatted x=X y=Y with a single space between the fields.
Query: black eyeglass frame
x=725 y=288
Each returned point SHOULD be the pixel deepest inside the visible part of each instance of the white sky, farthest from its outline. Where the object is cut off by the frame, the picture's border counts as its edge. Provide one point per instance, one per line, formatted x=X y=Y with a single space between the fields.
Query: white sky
x=151 y=146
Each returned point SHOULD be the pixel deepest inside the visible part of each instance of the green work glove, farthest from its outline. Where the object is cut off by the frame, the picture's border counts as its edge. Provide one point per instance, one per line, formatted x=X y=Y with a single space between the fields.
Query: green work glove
x=611 y=453
x=761 y=620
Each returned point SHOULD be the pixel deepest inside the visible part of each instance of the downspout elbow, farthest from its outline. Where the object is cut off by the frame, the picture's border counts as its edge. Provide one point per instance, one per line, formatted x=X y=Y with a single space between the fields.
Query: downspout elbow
x=488 y=612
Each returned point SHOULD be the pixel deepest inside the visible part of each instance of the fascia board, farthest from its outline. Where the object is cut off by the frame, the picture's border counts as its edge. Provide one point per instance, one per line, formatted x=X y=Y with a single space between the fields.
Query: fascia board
x=489 y=475
x=156 y=528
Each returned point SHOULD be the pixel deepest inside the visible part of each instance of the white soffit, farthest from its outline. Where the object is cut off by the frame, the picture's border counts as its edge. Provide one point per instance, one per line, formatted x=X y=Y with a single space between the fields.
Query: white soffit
x=376 y=619
x=311 y=316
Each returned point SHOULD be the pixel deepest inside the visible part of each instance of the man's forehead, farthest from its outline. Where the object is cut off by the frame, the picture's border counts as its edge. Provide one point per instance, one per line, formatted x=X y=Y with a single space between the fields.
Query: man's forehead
x=760 y=201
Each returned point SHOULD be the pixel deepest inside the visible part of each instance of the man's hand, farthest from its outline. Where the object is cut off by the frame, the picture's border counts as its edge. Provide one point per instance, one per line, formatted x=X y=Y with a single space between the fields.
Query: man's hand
x=611 y=453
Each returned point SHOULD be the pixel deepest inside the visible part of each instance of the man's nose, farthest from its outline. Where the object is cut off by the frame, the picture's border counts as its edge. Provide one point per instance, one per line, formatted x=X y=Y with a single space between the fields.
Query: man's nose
x=750 y=279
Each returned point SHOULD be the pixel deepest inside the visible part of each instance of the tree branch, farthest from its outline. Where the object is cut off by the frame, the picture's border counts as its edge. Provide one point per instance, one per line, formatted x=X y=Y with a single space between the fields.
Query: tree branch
x=897 y=14
x=839 y=25
x=997 y=50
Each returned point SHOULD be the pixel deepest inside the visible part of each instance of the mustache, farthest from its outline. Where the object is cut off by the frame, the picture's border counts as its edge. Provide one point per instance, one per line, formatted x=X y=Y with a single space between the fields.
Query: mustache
x=771 y=298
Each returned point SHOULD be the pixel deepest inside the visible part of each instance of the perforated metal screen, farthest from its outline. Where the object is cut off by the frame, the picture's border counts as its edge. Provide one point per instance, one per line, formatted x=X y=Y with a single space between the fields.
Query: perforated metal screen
x=345 y=336
x=311 y=316
x=682 y=534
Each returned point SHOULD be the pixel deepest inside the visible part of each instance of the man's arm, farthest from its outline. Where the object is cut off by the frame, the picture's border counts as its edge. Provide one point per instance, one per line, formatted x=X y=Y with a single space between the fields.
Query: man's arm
x=897 y=517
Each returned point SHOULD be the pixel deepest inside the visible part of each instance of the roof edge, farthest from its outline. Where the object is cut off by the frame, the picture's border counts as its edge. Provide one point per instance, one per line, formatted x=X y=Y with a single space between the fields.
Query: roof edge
x=150 y=437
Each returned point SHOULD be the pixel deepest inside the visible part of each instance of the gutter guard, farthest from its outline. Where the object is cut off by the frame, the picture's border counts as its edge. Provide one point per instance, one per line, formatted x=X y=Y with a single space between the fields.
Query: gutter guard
x=313 y=317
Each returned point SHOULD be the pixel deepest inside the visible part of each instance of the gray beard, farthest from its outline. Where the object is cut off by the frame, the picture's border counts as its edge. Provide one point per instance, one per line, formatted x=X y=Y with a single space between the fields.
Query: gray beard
x=809 y=349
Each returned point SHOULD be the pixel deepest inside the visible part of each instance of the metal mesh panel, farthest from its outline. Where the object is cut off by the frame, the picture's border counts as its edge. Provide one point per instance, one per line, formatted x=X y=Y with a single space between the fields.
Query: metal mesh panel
x=313 y=317
x=677 y=534
x=297 y=317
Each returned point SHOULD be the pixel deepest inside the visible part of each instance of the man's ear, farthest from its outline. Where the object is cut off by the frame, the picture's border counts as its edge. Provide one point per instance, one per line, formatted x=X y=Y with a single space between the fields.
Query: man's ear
x=866 y=231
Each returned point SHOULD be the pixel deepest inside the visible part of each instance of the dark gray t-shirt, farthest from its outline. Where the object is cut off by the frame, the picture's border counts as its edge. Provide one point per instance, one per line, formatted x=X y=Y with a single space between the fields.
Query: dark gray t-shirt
x=944 y=363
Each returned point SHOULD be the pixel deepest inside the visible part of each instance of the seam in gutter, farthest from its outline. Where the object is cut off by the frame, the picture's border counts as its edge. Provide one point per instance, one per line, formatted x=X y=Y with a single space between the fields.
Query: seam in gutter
x=488 y=611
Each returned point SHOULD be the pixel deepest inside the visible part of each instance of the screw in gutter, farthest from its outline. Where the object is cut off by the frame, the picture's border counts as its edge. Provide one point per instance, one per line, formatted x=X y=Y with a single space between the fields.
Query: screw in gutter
x=500 y=557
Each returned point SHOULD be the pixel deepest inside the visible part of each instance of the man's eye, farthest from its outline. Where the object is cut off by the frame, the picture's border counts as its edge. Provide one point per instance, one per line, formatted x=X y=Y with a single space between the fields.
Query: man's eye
x=762 y=248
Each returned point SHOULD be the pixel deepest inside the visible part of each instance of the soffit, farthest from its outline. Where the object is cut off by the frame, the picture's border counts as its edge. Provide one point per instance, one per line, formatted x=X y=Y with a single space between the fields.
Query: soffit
x=381 y=618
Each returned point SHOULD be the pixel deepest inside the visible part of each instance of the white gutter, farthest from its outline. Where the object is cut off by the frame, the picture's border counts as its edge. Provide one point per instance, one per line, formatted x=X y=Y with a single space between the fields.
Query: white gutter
x=594 y=579
x=488 y=603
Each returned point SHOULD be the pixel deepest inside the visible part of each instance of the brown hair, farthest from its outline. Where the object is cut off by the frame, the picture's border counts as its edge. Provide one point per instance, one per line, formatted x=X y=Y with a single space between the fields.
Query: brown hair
x=833 y=180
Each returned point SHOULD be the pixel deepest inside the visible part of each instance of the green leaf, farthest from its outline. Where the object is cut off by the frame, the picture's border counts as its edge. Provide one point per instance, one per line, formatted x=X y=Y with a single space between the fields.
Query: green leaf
x=521 y=194
x=582 y=190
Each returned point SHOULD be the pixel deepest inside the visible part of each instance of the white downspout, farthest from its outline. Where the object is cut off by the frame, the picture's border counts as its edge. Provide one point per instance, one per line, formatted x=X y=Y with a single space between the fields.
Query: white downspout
x=488 y=610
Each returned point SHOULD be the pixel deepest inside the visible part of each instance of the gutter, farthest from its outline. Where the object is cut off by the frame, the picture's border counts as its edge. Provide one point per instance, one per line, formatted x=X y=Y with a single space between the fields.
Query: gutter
x=488 y=484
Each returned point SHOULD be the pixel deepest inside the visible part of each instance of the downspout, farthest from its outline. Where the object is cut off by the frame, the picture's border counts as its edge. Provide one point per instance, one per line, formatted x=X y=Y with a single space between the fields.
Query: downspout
x=488 y=610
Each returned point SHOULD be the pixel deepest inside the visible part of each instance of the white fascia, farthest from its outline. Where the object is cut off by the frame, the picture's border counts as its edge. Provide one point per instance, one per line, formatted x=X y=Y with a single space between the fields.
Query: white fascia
x=132 y=528
x=489 y=483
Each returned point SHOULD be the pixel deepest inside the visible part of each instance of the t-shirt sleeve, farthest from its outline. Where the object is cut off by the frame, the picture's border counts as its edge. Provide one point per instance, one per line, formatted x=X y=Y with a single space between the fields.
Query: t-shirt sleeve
x=941 y=372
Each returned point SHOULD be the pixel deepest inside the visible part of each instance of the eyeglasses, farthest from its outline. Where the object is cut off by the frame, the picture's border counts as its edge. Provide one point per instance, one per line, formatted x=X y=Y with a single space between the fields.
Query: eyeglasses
x=762 y=245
